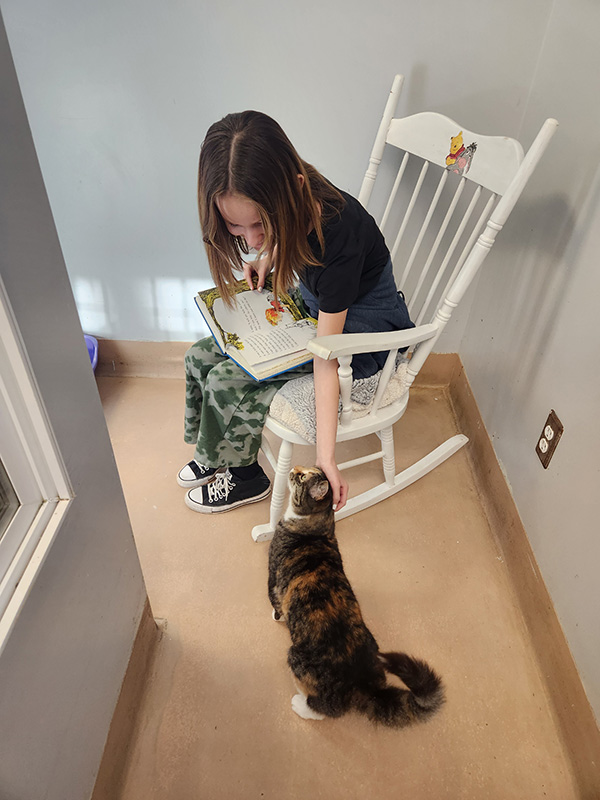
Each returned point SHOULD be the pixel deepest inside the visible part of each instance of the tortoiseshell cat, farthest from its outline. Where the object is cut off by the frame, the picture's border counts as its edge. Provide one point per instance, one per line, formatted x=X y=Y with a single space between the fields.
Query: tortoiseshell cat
x=334 y=658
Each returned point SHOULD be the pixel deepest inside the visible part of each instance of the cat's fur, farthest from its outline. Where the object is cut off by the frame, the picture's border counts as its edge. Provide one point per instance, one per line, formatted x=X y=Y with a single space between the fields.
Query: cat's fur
x=334 y=658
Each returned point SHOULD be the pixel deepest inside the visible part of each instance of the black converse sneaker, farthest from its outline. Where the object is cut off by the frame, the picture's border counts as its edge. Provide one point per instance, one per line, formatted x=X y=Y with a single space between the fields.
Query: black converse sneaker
x=195 y=474
x=227 y=491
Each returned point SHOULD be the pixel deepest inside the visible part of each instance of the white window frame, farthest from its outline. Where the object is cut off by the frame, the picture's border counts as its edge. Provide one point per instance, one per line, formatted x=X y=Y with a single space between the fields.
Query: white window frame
x=32 y=460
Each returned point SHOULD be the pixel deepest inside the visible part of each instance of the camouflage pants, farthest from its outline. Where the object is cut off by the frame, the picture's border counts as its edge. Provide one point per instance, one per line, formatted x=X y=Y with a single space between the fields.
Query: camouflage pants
x=225 y=409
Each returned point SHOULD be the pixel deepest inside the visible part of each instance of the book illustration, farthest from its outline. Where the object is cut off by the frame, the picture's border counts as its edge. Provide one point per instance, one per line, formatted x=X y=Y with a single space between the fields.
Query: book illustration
x=274 y=314
x=234 y=340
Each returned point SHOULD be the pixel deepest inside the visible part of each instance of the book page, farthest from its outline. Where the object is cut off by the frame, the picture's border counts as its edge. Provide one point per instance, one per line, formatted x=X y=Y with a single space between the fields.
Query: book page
x=275 y=366
x=259 y=347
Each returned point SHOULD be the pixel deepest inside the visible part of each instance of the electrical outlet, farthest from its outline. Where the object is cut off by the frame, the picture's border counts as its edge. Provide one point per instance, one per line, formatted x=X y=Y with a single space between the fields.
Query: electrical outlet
x=549 y=438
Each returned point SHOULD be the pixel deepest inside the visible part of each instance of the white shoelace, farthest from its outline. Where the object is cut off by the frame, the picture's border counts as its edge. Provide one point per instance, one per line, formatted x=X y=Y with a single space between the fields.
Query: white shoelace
x=221 y=486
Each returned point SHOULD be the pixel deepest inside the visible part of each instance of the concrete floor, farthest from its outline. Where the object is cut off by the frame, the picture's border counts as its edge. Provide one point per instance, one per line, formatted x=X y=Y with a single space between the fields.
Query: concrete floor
x=216 y=720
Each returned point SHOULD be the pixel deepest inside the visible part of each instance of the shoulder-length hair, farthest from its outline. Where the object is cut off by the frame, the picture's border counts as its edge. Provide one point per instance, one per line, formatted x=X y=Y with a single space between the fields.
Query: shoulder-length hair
x=249 y=154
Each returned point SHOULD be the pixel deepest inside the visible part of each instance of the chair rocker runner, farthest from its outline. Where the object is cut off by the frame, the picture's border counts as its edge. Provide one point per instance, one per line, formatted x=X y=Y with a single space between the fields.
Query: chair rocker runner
x=451 y=195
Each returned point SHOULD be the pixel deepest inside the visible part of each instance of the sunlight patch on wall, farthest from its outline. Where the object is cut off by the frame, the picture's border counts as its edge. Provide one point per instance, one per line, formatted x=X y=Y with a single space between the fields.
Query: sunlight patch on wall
x=91 y=305
x=176 y=310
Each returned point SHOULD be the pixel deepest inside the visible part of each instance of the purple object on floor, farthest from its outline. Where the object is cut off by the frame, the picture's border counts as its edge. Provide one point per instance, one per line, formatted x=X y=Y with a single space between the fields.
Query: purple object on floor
x=92 y=348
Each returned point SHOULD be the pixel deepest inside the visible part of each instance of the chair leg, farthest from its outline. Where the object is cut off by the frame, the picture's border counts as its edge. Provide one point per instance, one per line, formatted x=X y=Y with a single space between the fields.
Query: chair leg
x=262 y=533
x=267 y=450
x=389 y=459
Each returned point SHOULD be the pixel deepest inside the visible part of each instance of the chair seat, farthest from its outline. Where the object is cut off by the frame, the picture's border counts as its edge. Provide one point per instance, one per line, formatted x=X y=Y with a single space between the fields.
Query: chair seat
x=293 y=407
x=370 y=423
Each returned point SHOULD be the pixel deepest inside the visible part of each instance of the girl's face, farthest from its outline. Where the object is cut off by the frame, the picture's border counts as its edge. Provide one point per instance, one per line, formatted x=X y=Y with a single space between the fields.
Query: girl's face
x=242 y=218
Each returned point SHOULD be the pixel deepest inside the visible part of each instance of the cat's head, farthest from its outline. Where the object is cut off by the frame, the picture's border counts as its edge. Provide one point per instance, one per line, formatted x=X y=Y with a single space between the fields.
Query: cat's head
x=310 y=491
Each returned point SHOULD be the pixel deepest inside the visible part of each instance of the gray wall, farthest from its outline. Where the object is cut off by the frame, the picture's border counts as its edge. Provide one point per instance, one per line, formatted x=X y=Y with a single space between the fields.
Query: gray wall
x=120 y=94
x=533 y=342
x=62 y=668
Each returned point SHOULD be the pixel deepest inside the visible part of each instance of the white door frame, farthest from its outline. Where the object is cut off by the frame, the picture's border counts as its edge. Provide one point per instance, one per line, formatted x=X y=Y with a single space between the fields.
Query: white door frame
x=34 y=465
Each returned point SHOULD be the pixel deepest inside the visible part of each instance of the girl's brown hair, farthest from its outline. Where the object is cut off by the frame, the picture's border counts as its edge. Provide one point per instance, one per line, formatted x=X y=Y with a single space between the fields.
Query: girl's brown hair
x=249 y=154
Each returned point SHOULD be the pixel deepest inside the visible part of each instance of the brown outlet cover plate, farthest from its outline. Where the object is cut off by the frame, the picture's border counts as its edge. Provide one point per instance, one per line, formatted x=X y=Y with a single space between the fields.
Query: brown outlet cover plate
x=549 y=438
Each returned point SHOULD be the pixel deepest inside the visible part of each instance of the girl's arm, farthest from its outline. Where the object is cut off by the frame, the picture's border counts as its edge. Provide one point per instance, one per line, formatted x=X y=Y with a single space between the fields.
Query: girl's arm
x=327 y=392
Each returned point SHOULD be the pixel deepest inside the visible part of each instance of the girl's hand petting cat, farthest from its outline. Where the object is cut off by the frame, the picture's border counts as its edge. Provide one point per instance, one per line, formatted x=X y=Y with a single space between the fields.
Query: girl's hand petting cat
x=339 y=485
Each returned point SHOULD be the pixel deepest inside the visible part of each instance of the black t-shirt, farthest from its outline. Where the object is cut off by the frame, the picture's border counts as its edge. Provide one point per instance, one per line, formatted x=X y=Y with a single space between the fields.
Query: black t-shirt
x=354 y=257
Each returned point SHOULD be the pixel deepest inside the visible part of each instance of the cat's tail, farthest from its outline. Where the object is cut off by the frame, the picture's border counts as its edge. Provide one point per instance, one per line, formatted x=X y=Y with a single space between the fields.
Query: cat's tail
x=397 y=707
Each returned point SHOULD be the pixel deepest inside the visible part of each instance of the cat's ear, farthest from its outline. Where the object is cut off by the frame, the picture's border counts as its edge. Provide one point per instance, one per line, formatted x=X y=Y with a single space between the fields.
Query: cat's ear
x=319 y=490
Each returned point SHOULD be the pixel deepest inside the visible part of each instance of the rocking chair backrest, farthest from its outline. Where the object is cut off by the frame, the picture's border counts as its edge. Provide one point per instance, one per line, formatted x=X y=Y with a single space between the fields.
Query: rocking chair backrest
x=452 y=193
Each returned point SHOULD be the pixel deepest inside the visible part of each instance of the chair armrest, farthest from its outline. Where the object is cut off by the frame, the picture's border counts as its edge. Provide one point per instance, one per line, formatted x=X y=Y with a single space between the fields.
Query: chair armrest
x=347 y=344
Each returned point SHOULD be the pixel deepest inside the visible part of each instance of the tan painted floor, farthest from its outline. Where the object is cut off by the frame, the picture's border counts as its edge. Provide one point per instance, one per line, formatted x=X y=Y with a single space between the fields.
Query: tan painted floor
x=216 y=721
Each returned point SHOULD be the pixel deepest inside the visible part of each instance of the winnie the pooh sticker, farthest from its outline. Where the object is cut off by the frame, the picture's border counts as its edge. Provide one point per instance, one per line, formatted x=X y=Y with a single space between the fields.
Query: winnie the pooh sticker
x=459 y=158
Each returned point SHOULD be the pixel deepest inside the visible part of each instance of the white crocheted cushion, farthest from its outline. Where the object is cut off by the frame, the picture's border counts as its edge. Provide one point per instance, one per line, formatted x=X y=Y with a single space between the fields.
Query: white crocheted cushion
x=294 y=404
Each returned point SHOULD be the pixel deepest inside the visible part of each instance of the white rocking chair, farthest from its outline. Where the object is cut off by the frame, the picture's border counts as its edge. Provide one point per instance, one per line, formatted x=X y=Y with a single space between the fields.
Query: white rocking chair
x=472 y=182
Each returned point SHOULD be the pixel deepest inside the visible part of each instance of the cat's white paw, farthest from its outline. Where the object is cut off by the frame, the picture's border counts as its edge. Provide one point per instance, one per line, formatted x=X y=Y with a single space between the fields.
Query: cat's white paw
x=301 y=708
x=277 y=619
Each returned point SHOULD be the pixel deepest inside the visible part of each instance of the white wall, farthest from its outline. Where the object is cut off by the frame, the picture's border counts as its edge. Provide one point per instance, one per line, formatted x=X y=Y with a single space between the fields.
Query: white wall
x=63 y=664
x=120 y=94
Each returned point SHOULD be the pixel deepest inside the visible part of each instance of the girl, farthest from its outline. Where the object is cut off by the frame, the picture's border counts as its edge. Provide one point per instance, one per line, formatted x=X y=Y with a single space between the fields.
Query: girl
x=256 y=193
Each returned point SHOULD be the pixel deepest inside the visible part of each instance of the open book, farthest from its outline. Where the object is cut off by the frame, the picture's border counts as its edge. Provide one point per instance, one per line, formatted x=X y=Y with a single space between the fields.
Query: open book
x=262 y=335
